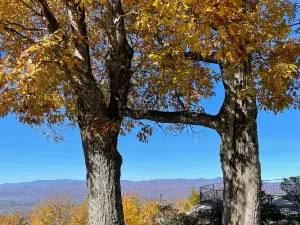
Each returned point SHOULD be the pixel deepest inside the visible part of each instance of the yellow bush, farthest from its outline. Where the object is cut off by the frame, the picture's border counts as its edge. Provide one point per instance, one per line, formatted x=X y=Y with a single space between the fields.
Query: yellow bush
x=183 y=205
x=186 y=204
x=194 y=198
x=12 y=220
x=80 y=214
x=61 y=211
x=56 y=211
x=138 y=213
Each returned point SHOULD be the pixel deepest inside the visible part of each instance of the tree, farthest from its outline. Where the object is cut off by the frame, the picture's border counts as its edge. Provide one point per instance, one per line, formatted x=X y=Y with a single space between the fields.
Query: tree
x=138 y=211
x=292 y=188
x=52 y=211
x=255 y=46
x=70 y=61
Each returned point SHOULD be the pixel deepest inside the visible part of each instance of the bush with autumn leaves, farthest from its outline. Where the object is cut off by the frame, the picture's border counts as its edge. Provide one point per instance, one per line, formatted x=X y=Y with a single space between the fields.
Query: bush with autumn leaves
x=62 y=211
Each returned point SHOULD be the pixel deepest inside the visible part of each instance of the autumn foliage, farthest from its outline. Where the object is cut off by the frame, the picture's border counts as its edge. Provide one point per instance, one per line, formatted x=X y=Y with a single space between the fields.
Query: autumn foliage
x=12 y=220
x=62 y=211
x=52 y=211
x=90 y=62
x=184 y=205
x=79 y=214
x=161 y=32
x=138 y=213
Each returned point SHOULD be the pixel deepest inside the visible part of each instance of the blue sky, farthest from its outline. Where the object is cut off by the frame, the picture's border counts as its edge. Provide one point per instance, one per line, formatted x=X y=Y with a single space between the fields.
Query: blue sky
x=26 y=155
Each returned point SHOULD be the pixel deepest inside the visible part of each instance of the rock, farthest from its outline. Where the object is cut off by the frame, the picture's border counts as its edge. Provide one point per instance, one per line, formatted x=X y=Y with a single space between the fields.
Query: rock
x=201 y=212
x=205 y=213
x=203 y=207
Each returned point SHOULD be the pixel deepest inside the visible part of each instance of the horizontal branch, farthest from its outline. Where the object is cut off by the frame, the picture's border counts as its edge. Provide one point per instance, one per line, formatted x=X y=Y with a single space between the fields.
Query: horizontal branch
x=198 y=57
x=182 y=117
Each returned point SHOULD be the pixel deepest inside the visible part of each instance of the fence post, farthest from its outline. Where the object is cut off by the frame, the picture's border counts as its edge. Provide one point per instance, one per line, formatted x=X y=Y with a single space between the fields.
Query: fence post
x=160 y=199
x=200 y=195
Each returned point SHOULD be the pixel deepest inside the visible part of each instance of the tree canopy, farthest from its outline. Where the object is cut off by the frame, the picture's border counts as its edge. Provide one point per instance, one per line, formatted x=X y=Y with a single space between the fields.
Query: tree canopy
x=174 y=43
x=182 y=39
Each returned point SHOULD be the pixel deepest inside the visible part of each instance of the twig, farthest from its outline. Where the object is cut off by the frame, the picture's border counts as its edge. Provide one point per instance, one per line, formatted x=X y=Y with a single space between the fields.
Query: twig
x=19 y=34
x=179 y=101
x=31 y=8
x=160 y=126
x=25 y=28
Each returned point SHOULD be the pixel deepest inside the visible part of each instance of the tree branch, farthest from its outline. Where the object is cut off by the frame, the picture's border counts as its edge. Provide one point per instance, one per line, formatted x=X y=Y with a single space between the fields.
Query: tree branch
x=183 y=117
x=179 y=100
x=52 y=22
x=11 y=30
x=31 y=8
x=198 y=57
x=26 y=28
x=76 y=13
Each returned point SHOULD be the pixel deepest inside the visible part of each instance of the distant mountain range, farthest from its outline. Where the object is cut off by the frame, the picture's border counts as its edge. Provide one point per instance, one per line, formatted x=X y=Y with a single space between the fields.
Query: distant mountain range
x=22 y=196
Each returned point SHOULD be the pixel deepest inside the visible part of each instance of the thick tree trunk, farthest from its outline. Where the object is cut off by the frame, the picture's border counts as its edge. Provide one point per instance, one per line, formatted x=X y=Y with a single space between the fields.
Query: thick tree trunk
x=241 y=172
x=103 y=168
x=239 y=153
x=99 y=134
x=100 y=121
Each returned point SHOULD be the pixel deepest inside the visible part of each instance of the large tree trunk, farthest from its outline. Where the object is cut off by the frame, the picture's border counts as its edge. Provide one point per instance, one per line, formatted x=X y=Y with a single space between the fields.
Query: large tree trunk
x=99 y=131
x=239 y=152
x=100 y=121
x=103 y=167
x=241 y=172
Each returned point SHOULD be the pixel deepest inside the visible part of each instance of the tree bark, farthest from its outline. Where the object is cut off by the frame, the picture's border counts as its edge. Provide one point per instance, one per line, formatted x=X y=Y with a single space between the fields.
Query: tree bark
x=239 y=152
x=103 y=163
x=241 y=173
x=103 y=168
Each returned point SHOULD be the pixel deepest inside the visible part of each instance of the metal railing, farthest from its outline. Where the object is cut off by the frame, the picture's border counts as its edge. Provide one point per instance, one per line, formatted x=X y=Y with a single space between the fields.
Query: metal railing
x=215 y=191
x=274 y=205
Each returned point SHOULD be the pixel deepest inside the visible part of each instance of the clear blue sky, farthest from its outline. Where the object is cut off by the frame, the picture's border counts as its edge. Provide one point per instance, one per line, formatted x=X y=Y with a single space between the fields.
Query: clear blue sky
x=25 y=154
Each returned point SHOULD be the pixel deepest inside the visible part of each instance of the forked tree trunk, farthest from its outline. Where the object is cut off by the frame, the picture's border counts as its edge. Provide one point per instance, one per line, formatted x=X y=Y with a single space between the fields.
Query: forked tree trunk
x=103 y=168
x=99 y=135
x=239 y=153
x=99 y=121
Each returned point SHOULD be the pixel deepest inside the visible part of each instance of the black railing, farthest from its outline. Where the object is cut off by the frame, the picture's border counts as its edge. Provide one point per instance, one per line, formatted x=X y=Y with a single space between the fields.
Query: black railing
x=275 y=205
x=215 y=191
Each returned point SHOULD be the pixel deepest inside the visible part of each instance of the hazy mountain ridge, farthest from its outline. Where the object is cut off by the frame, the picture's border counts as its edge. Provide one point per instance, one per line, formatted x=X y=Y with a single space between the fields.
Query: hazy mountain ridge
x=21 y=196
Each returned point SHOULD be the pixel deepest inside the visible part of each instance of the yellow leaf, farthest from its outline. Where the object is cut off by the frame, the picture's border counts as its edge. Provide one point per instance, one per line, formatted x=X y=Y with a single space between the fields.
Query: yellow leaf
x=1 y=27
x=156 y=3
x=231 y=29
x=31 y=48
x=222 y=11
